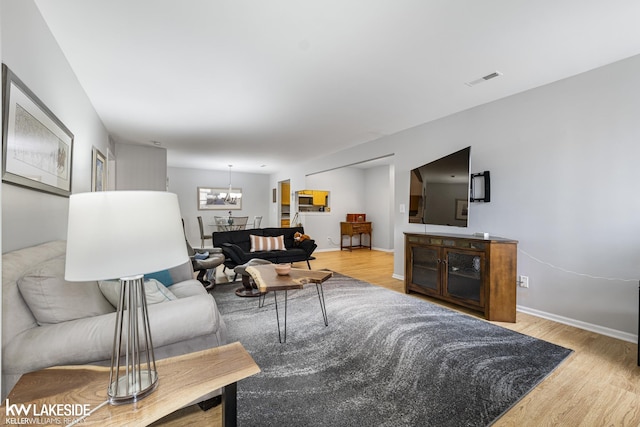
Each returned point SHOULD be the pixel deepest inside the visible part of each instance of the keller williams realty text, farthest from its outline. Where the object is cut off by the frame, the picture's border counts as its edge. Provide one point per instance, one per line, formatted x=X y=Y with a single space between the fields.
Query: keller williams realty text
x=50 y=410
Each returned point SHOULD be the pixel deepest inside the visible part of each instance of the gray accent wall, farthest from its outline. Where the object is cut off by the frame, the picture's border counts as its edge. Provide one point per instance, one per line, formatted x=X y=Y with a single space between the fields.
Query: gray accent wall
x=378 y=206
x=141 y=167
x=256 y=197
x=563 y=160
x=30 y=217
x=352 y=190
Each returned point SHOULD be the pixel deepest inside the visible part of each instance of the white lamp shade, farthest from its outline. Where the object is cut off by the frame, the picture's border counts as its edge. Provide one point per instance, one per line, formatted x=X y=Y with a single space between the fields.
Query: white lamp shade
x=116 y=234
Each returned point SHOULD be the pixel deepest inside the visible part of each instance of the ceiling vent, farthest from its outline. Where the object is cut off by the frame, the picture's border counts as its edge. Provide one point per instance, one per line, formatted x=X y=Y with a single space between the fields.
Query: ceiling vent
x=484 y=79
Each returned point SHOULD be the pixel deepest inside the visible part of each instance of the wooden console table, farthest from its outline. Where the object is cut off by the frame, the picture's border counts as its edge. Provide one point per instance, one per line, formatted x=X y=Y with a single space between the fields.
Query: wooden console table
x=355 y=228
x=182 y=381
x=473 y=272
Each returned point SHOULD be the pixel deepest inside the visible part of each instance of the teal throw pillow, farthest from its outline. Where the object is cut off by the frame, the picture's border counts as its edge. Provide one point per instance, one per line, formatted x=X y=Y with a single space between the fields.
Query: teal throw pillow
x=162 y=276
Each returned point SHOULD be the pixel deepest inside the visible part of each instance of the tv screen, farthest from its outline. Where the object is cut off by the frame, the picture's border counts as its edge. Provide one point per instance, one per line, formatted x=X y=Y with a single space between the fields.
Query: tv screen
x=439 y=191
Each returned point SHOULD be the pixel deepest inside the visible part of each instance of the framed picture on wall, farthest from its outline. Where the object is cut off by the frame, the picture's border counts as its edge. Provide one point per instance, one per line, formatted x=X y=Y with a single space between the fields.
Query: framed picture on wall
x=212 y=198
x=462 y=209
x=111 y=170
x=37 y=148
x=98 y=170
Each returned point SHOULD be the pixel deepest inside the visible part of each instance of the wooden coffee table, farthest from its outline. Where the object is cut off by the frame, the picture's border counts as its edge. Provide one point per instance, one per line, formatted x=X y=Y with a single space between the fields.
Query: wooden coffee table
x=182 y=381
x=268 y=280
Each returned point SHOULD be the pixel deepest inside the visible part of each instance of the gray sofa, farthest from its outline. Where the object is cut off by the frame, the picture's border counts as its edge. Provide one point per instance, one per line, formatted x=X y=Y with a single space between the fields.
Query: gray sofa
x=65 y=323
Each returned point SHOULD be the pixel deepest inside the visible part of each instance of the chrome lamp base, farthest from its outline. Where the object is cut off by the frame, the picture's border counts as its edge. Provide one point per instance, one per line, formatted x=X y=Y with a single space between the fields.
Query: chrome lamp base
x=133 y=366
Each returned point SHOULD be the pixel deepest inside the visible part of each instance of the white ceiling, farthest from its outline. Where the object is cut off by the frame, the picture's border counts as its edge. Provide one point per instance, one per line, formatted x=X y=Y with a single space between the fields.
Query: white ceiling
x=266 y=82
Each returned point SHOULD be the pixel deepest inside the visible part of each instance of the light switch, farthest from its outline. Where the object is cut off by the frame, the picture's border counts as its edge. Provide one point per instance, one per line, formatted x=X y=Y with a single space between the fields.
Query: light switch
x=402 y=208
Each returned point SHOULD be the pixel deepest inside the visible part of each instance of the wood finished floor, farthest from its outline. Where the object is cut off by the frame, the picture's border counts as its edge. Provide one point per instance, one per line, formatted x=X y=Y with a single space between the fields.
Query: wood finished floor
x=598 y=385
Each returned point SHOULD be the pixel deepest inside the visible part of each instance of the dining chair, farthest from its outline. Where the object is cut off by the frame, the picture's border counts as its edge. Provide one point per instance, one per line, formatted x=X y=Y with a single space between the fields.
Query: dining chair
x=204 y=262
x=256 y=221
x=222 y=223
x=240 y=222
x=203 y=236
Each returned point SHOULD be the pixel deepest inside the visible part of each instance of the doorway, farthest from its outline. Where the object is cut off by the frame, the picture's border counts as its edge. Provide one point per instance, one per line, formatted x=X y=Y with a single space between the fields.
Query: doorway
x=284 y=189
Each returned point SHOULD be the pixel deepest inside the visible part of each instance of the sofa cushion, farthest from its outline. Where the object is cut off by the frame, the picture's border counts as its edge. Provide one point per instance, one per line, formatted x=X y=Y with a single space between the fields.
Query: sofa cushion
x=261 y=243
x=154 y=291
x=52 y=299
x=188 y=288
x=238 y=237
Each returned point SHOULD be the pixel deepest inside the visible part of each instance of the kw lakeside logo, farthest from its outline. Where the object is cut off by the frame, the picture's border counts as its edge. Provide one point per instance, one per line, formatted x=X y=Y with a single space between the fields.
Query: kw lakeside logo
x=44 y=414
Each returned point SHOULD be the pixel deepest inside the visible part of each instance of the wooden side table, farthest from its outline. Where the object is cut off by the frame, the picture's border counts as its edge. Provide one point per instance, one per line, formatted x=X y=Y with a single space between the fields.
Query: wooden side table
x=268 y=280
x=182 y=381
x=355 y=228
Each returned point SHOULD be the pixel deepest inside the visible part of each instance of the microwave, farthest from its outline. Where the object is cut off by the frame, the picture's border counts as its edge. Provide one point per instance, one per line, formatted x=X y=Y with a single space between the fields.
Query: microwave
x=305 y=199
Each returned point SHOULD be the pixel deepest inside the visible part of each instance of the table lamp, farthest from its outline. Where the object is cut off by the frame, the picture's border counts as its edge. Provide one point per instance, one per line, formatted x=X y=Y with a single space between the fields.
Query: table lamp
x=124 y=235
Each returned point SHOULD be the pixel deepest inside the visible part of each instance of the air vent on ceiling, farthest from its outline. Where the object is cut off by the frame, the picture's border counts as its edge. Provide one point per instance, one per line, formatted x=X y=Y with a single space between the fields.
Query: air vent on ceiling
x=484 y=79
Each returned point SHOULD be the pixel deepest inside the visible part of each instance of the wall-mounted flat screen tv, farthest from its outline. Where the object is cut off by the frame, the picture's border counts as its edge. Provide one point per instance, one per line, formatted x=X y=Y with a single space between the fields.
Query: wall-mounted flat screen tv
x=439 y=192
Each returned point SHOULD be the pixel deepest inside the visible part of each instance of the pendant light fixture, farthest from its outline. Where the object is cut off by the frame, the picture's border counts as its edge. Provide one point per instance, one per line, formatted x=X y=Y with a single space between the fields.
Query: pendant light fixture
x=228 y=198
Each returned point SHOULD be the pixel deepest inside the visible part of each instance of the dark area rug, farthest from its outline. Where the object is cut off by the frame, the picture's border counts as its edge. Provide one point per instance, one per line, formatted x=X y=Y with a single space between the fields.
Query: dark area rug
x=386 y=359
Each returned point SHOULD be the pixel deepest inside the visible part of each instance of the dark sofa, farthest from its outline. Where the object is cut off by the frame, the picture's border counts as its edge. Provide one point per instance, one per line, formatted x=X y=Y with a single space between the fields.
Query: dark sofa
x=236 y=246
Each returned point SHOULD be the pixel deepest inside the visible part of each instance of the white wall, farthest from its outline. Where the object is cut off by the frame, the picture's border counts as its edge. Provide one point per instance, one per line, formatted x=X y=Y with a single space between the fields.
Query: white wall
x=563 y=160
x=352 y=190
x=30 y=51
x=256 y=196
x=346 y=195
x=141 y=167
x=378 y=205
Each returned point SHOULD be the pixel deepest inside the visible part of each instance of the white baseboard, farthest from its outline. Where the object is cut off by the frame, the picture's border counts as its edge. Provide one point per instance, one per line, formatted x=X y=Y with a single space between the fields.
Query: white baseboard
x=602 y=330
x=359 y=249
x=382 y=249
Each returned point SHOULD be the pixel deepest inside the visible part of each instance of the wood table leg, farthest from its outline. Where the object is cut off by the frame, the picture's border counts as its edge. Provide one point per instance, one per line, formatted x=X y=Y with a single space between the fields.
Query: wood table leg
x=230 y=405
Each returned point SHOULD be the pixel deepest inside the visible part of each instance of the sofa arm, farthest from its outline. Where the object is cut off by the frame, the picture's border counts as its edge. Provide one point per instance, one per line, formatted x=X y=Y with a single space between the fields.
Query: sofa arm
x=89 y=340
x=181 y=272
x=234 y=252
x=308 y=246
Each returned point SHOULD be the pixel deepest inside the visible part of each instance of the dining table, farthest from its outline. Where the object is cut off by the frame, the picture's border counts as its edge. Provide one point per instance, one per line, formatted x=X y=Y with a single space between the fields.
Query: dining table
x=222 y=223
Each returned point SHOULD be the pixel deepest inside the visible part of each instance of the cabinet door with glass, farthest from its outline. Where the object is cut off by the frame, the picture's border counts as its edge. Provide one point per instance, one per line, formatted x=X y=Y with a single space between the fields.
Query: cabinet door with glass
x=463 y=278
x=425 y=269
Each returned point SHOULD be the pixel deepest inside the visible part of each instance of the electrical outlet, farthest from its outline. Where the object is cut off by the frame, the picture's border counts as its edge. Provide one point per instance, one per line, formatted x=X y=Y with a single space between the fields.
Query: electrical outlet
x=524 y=281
